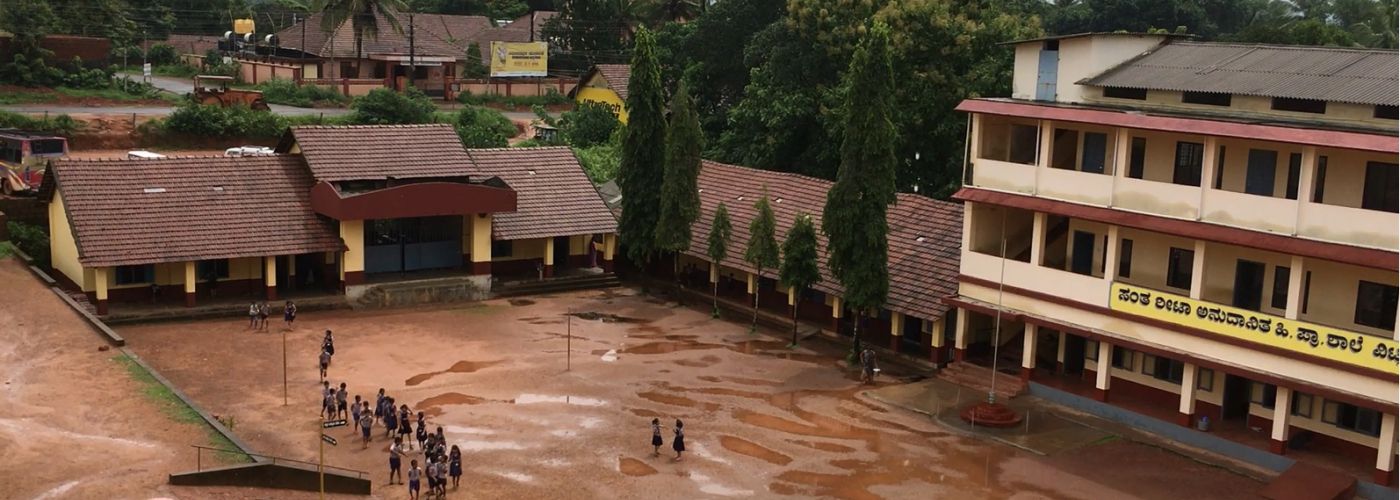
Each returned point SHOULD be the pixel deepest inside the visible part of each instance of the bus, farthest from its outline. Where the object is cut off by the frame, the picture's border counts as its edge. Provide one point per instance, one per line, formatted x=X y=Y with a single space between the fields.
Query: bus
x=25 y=156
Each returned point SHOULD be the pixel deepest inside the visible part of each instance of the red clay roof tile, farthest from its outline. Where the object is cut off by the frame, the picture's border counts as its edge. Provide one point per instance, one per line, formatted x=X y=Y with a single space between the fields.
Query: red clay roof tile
x=554 y=195
x=376 y=152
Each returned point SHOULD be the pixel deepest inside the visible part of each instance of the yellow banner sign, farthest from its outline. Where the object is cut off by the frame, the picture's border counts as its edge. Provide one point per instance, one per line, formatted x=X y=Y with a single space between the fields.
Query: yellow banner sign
x=1325 y=342
x=519 y=59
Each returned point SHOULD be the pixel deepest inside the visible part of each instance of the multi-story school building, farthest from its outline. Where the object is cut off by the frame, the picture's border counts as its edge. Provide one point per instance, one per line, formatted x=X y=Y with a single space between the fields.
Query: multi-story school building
x=1193 y=231
x=337 y=209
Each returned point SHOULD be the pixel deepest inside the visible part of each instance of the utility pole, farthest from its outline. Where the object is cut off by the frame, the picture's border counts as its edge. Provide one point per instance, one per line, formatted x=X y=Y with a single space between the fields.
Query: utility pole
x=412 y=64
x=532 y=26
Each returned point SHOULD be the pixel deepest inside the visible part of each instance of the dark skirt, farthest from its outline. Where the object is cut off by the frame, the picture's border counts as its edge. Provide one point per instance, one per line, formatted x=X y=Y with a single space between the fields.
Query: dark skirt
x=455 y=469
x=678 y=444
x=656 y=440
x=393 y=462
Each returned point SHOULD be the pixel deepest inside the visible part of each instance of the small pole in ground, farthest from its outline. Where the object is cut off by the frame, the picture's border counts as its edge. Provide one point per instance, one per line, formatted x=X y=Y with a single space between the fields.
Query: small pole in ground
x=569 y=340
x=284 y=368
x=321 y=469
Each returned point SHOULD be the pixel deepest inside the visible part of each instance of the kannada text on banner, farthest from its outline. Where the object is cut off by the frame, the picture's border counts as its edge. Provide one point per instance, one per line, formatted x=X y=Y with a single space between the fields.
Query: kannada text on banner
x=1338 y=345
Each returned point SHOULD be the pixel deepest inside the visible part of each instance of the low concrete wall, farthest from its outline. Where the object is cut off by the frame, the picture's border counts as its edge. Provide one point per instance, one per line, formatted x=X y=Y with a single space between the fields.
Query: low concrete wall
x=287 y=476
x=409 y=293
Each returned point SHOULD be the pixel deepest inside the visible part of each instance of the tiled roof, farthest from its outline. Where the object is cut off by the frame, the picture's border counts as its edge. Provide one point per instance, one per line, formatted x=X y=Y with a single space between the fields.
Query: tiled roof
x=554 y=196
x=924 y=234
x=519 y=29
x=437 y=35
x=126 y=212
x=375 y=152
x=1360 y=76
x=618 y=77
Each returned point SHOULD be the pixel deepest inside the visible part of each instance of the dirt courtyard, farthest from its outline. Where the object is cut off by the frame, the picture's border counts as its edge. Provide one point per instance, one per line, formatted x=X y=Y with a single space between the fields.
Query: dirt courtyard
x=761 y=421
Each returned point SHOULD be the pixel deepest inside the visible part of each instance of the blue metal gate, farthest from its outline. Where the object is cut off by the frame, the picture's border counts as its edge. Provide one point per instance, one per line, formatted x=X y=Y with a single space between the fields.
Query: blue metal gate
x=413 y=244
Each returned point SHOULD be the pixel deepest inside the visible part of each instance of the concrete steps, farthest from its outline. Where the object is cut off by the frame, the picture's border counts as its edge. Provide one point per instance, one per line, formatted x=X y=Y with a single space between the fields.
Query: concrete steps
x=428 y=291
x=979 y=379
x=556 y=285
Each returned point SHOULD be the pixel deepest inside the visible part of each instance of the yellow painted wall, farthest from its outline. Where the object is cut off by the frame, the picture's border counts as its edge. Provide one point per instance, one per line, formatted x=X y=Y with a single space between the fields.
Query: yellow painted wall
x=1337 y=112
x=578 y=245
x=173 y=273
x=481 y=238
x=63 y=249
x=1149 y=260
x=352 y=232
x=605 y=96
x=524 y=249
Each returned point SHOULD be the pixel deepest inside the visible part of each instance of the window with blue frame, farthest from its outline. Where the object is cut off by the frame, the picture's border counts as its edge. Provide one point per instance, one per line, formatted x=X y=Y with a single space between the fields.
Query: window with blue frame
x=132 y=275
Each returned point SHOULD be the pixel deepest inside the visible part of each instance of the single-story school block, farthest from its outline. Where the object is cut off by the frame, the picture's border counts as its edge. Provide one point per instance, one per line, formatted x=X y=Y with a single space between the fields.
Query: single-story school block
x=924 y=241
x=337 y=209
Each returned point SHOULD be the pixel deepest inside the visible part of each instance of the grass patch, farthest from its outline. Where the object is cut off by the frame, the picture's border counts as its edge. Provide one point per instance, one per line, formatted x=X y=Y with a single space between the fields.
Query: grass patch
x=1103 y=440
x=111 y=94
x=6 y=250
x=177 y=410
x=26 y=97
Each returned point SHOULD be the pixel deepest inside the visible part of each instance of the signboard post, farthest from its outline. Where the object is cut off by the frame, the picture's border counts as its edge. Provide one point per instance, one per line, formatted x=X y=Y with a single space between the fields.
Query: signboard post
x=146 y=71
x=519 y=59
x=332 y=423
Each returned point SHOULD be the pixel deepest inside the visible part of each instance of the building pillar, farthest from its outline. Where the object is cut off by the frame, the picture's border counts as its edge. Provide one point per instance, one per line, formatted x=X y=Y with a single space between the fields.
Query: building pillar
x=960 y=336
x=1028 y=344
x=189 y=284
x=548 y=257
x=352 y=260
x=896 y=329
x=1208 y=172
x=1278 y=439
x=100 y=276
x=291 y=272
x=836 y=314
x=714 y=272
x=1038 y=238
x=1198 y=270
x=935 y=339
x=1101 y=374
x=1296 y=271
x=481 y=244
x=609 y=247
x=1187 y=409
x=1305 y=183
x=752 y=280
x=270 y=276
x=1385 y=451
x=792 y=301
x=1060 y=353
x=1110 y=255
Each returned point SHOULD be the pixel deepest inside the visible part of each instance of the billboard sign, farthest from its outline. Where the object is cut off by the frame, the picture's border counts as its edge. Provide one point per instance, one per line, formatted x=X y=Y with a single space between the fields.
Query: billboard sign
x=519 y=59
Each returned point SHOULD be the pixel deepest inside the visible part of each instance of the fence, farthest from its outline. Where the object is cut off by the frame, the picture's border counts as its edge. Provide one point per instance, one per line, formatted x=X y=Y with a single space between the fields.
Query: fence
x=254 y=71
x=353 y=87
x=512 y=87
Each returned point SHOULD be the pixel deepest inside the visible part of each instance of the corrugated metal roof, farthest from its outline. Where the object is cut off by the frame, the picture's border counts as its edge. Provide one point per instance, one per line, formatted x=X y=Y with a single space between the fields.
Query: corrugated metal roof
x=1359 y=76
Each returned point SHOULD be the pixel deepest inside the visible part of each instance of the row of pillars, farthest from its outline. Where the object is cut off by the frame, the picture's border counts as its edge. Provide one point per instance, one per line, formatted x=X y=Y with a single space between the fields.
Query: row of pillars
x=191 y=282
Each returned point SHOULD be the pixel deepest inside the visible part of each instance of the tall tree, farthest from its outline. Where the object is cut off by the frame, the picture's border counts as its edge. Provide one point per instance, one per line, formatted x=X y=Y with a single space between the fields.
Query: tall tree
x=587 y=32
x=680 y=197
x=643 y=153
x=854 y=217
x=656 y=13
x=799 y=270
x=718 y=247
x=363 y=16
x=704 y=55
x=762 y=250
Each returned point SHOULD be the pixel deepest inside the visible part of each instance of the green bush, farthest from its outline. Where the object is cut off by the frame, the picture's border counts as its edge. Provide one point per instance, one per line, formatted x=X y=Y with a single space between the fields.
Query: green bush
x=81 y=77
x=129 y=55
x=589 y=124
x=162 y=54
x=281 y=91
x=484 y=128
x=551 y=97
x=177 y=70
x=32 y=240
x=29 y=71
x=600 y=162
x=385 y=107
x=59 y=125
x=214 y=65
x=194 y=119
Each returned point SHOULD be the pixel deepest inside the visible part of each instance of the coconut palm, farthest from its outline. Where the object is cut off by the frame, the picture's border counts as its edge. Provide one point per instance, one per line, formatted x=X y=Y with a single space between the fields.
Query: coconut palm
x=362 y=15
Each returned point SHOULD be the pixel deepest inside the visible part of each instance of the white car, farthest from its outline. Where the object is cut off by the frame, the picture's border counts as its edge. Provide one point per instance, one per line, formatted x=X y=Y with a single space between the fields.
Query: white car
x=248 y=151
x=143 y=155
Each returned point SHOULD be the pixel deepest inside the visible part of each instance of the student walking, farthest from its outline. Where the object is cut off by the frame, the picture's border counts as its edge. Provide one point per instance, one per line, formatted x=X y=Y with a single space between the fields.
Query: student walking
x=679 y=443
x=289 y=314
x=366 y=421
x=442 y=475
x=379 y=406
x=391 y=418
x=325 y=390
x=252 y=315
x=867 y=366
x=656 y=441
x=422 y=432
x=340 y=396
x=325 y=362
x=431 y=472
x=328 y=343
x=330 y=405
x=413 y=474
x=395 y=460
x=406 y=425
x=456 y=466
x=355 y=414
x=262 y=317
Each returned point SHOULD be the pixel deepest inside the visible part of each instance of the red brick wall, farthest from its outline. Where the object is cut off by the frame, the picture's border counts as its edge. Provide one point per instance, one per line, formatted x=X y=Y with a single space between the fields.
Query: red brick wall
x=92 y=50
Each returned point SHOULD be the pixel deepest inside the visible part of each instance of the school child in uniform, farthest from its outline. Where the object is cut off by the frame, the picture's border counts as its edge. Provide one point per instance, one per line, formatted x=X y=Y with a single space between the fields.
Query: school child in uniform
x=328 y=343
x=656 y=437
x=325 y=389
x=252 y=315
x=422 y=433
x=330 y=405
x=395 y=460
x=262 y=317
x=406 y=425
x=340 y=406
x=365 y=422
x=440 y=442
x=289 y=314
x=442 y=474
x=379 y=405
x=325 y=362
x=456 y=466
x=355 y=412
x=413 y=474
x=679 y=443
x=391 y=418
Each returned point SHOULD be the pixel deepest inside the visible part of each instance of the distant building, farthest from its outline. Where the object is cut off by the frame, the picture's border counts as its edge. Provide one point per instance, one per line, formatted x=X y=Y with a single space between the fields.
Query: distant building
x=607 y=84
x=337 y=209
x=1194 y=230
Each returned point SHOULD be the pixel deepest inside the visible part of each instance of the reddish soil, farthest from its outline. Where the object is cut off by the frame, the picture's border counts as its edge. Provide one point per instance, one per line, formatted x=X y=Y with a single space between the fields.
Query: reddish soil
x=58 y=99
x=761 y=421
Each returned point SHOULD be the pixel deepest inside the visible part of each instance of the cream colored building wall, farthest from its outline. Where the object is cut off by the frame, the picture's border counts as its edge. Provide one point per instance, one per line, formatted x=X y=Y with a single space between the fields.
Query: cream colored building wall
x=1170 y=100
x=352 y=233
x=1237 y=164
x=1214 y=396
x=1332 y=298
x=1151 y=252
x=524 y=249
x=1346 y=175
x=1083 y=129
x=578 y=245
x=1024 y=70
x=173 y=273
x=63 y=249
x=1099 y=230
x=1221 y=260
x=1088 y=56
x=1314 y=422
x=1303 y=374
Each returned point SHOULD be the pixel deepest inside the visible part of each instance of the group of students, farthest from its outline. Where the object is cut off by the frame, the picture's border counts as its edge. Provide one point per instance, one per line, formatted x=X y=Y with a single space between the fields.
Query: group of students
x=441 y=462
x=677 y=444
x=259 y=311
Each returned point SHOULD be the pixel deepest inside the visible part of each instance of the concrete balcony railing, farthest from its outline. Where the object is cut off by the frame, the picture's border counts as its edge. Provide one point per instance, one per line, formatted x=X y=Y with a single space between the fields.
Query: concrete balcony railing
x=1077 y=287
x=1171 y=200
x=1356 y=226
x=1072 y=185
x=1262 y=213
x=1003 y=176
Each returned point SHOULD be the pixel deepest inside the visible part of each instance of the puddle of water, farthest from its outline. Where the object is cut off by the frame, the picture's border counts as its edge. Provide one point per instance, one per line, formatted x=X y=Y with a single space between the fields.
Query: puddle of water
x=702 y=451
x=57 y=491
x=782 y=488
x=818 y=445
x=606 y=317
x=825 y=427
x=590 y=422
x=516 y=476
x=668 y=347
x=708 y=485
x=740 y=380
x=563 y=433
x=451 y=398
x=703 y=362
x=634 y=467
x=479 y=445
x=640 y=412
x=676 y=400
x=555 y=462
x=521 y=302
x=525 y=399
x=750 y=448
x=458 y=367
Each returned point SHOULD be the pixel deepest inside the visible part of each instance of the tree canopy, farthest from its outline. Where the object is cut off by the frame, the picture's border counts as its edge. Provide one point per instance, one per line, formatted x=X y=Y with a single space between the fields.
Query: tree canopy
x=680 y=197
x=643 y=152
x=799 y=268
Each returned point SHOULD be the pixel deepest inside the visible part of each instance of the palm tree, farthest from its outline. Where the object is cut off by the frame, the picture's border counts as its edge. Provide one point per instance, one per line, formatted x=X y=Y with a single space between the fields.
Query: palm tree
x=362 y=15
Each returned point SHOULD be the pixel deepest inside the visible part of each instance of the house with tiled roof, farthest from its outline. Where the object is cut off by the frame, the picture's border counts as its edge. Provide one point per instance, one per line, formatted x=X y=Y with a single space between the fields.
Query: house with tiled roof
x=606 y=83
x=336 y=209
x=924 y=242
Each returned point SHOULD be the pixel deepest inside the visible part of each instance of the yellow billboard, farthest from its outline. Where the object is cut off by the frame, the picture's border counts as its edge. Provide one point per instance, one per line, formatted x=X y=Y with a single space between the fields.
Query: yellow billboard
x=1335 y=344
x=519 y=59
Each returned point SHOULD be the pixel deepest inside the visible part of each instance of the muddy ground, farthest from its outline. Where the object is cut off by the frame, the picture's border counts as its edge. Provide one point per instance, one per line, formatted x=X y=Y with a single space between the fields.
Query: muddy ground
x=761 y=421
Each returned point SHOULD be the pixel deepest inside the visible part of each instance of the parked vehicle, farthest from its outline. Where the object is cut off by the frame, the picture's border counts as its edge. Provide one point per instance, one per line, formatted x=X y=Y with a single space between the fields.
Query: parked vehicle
x=143 y=155
x=213 y=90
x=25 y=156
x=248 y=151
